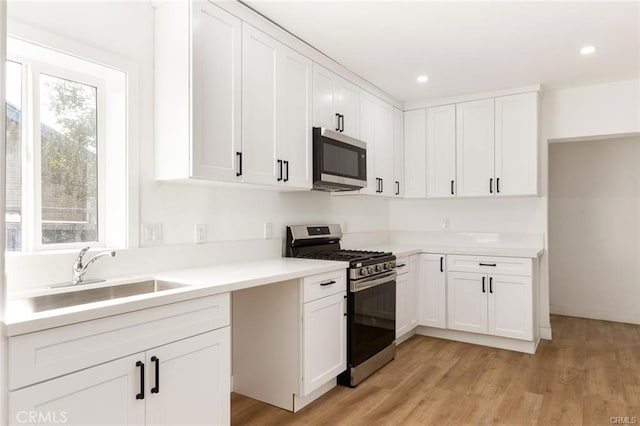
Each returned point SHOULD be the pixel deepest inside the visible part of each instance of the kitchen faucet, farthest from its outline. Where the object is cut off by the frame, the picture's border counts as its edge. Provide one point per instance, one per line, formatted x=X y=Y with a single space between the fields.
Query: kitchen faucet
x=79 y=269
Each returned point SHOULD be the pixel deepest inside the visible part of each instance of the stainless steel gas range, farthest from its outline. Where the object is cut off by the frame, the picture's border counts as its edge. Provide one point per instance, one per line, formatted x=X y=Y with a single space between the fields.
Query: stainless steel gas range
x=371 y=297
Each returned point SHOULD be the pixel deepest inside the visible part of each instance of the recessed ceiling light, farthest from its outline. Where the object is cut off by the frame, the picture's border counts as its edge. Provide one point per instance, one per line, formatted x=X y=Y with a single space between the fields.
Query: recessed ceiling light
x=422 y=79
x=587 y=50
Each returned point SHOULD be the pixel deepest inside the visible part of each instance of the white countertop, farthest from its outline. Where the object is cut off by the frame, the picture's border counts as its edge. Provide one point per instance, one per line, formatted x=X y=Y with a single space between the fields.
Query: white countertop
x=200 y=282
x=440 y=248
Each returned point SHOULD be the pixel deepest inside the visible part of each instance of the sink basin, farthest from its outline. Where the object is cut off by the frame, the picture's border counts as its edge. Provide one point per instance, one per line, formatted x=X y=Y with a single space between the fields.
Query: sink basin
x=83 y=296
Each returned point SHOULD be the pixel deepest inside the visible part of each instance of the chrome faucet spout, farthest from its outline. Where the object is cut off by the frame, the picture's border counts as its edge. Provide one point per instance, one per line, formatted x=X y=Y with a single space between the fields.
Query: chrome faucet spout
x=79 y=269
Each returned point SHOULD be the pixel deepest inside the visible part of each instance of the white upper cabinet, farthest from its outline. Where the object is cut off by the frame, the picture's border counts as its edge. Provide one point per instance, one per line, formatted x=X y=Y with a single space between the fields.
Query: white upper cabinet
x=197 y=91
x=415 y=127
x=516 y=144
x=259 y=103
x=335 y=102
x=398 y=152
x=475 y=148
x=441 y=151
x=384 y=148
x=276 y=105
x=367 y=112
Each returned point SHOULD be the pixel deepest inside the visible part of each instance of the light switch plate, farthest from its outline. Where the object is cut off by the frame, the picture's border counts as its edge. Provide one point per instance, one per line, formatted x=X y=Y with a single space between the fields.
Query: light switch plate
x=201 y=233
x=151 y=234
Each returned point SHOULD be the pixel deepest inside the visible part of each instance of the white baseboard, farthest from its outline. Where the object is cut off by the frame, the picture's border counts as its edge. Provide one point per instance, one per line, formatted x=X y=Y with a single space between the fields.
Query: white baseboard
x=597 y=314
x=525 y=346
x=545 y=333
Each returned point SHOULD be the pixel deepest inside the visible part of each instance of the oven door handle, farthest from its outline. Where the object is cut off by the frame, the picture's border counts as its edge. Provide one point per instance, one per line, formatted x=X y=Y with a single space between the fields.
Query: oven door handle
x=365 y=284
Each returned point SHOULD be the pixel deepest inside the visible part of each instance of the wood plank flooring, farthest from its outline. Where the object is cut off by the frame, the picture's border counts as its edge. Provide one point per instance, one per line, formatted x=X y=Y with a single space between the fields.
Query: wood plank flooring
x=587 y=374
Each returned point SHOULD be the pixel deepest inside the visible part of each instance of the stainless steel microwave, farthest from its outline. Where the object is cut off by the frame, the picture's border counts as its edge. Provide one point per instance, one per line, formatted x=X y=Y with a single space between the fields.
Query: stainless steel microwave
x=339 y=161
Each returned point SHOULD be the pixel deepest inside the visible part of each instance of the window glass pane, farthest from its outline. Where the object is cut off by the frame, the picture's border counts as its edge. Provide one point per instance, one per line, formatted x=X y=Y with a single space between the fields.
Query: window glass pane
x=68 y=133
x=13 y=120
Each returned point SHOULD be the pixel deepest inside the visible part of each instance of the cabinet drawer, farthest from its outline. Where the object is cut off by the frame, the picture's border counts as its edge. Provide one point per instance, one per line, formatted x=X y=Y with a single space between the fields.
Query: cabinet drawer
x=42 y=355
x=321 y=285
x=490 y=264
x=402 y=265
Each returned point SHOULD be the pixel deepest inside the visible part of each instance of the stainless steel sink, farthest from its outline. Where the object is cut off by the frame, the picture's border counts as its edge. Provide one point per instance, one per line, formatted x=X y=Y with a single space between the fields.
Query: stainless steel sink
x=81 y=297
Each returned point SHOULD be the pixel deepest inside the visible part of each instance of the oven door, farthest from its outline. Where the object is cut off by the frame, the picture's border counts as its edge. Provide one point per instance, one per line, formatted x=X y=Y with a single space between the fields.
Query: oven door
x=339 y=162
x=372 y=316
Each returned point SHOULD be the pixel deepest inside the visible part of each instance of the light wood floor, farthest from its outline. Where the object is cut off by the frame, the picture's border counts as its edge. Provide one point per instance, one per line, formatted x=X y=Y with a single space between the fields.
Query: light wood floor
x=587 y=374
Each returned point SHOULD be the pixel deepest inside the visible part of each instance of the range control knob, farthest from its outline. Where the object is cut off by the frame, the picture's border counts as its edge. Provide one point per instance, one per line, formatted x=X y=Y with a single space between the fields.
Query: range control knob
x=370 y=269
x=378 y=268
x=363 y=271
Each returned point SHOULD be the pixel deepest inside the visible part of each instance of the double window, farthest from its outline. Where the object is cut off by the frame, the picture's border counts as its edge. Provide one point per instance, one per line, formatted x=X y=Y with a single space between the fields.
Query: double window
x=56 y=147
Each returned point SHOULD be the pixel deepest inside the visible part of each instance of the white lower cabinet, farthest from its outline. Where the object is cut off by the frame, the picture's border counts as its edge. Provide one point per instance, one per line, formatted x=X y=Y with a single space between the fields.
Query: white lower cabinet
x=432 y=291
x=499 y=305
x=324 y=341
x=186 y=381
x=406 y=294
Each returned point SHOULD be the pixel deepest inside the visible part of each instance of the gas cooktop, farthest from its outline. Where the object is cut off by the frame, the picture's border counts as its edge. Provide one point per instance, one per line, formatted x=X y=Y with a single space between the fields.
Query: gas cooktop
x=346 y=255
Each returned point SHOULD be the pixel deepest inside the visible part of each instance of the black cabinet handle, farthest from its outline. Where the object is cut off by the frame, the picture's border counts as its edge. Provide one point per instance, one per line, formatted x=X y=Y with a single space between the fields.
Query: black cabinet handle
x=378 y=185
x=490 y=185
x=397 y=188
x=490 y=284
x=402 y=265
x=286 y=170
x=280 y=167
x=156 y=388
x=328 y=283
x=342 y=123
x=452 y=188
x=141 y=394
x=483 y=287
x=381 y=185
x=441 y=263
x=487 y=264
x=239 y=155
x=337 y=122
x=498 y=185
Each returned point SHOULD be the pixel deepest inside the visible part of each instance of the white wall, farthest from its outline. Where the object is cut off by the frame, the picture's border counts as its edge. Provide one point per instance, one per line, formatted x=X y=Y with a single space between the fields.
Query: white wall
x=594 y=229
x=125 y=29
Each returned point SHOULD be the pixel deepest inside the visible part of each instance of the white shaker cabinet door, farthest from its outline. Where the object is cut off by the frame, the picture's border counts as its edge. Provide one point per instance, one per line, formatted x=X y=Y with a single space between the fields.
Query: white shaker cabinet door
x=294 y=130
x=402 y=304
x=105 y=394
x=398 y=153
x=216 y=91
x=467 y=302
x=432 y=305
x=259 y=91
x=384 y=147
x=324 y=99
x=475 y=148
x=347 y=106
x=193 y=381
x=510 y=306
x=516 y=127
x=367 y=113
x=412 y=286
x=441 y=151
x=324 y=341
x=415 y=158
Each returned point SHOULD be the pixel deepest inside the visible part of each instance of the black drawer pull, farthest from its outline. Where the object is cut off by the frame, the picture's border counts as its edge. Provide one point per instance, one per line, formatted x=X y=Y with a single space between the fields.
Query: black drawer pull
x=141 y=394
x=328 y=283
x=452 y=188
x=402 y=265
x=156 y=388
x=483 y=287
x=498 y=185
x=441 y=263
x=491 y=186
x=487 y=264
x=280 y=167
x=286 y=167
x=490 y=284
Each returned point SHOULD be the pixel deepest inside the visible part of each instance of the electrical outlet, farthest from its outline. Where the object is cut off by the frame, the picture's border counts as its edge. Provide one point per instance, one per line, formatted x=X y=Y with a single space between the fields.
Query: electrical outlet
x=268 y=230
x=201 y=233
x=151 y=234
x=445 y=223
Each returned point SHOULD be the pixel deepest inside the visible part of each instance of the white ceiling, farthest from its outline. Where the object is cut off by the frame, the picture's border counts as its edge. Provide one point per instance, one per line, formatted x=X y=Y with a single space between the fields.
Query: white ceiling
x=467 y=47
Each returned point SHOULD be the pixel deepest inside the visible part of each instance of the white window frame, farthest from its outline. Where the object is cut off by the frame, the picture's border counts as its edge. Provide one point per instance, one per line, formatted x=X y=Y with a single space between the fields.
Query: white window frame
x=119 y=230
